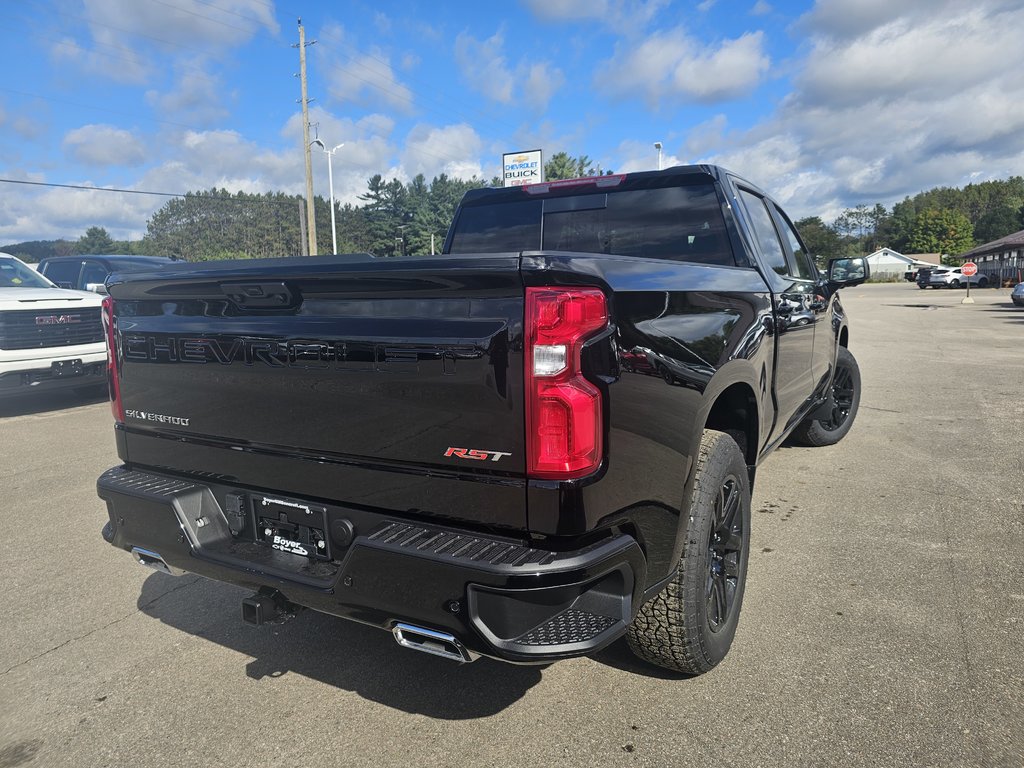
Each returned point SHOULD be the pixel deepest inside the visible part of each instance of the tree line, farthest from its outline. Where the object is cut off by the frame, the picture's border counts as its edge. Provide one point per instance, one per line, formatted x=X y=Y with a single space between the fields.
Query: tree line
x=395 y=218
x=943 y=220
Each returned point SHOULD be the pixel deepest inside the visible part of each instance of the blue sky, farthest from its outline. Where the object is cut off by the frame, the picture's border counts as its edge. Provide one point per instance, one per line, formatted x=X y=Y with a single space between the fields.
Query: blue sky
x=826 y=104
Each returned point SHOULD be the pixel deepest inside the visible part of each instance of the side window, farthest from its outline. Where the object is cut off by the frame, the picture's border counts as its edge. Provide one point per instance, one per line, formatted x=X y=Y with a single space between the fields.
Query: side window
x=803 y=267
x=65 y=272
x=764 y=230
x=92 y=272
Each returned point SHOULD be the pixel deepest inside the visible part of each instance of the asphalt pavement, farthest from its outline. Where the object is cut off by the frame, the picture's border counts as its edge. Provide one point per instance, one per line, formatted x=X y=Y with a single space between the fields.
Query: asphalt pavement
x=883 y=623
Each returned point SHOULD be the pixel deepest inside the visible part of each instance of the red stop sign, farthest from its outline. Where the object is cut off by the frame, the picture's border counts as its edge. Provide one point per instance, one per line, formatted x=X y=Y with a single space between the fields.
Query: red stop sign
x=970 y=268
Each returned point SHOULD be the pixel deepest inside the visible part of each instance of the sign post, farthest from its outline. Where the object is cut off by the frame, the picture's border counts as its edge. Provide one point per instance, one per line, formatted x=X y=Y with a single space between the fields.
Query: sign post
x=968 y=270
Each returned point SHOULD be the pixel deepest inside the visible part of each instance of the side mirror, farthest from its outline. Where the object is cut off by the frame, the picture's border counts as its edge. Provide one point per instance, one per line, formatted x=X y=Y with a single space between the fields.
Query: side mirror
x=96 y=288
x=844 y=272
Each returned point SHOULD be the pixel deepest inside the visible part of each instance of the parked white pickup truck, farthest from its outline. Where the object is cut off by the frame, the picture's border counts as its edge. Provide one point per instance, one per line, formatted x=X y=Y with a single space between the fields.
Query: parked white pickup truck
x=49 y=337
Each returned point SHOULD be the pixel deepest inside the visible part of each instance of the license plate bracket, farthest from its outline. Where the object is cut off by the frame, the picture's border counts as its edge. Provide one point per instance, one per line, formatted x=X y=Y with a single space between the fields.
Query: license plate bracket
x=292 y=526
x=61 y=369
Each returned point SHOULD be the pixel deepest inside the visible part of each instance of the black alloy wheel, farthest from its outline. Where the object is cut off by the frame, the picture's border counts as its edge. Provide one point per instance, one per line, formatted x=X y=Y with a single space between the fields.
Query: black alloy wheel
x=831 y=421
x=842 y=399
x=724 y=549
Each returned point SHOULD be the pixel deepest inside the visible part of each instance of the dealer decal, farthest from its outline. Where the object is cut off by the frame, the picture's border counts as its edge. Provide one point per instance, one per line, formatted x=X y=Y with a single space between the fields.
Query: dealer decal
x=287 y=545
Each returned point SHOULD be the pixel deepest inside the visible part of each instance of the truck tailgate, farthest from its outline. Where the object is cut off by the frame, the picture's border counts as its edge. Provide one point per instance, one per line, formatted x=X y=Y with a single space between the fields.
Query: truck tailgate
x=410 y=366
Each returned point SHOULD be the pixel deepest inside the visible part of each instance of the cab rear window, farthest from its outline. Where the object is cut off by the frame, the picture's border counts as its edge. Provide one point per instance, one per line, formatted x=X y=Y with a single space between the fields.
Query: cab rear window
x=682 y=223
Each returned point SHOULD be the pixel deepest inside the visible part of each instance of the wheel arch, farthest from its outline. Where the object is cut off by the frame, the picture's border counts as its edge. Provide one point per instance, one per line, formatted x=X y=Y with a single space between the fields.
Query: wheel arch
x=735 y=412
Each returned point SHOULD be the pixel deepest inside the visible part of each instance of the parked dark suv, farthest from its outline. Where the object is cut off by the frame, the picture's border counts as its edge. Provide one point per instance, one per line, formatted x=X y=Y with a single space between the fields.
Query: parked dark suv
x=89 y=273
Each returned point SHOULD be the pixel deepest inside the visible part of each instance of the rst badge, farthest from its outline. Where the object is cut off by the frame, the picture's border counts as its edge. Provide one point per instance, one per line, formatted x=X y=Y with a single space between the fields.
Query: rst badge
x=475 y=454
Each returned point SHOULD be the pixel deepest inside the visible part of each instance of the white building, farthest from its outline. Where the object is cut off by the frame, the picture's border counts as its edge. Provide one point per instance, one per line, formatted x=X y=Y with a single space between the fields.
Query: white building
x=887 y=264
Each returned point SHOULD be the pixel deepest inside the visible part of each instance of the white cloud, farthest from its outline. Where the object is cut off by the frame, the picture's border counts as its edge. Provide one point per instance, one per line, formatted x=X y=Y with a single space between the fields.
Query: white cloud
x=671 y=66
x=103 y=146
x=118 y=63
x=488 y=72
x=706 y=136
x=619 y=15
x=44 y=214
x=761 y=8
x=382 y=22
x=451 y=149
x=484 y=67
x=917 y=56
x=364 y=77
x=198 y=98
x=368 y=150
x=184 y=24
x=127 y=36
x=887 y=105
x=643 y=156
x=542 y=82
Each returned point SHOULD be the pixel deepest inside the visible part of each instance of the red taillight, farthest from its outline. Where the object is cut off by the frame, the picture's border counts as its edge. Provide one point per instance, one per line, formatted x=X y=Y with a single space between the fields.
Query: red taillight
x=113 y=380
x=563 y=410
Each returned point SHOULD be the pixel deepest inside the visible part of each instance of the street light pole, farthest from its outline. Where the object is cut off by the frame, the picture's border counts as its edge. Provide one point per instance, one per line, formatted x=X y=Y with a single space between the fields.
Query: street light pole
x=330 y=183
x=657 y=146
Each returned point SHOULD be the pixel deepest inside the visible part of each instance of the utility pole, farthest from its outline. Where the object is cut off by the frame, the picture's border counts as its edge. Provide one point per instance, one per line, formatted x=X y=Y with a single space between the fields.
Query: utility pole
x=310 y=209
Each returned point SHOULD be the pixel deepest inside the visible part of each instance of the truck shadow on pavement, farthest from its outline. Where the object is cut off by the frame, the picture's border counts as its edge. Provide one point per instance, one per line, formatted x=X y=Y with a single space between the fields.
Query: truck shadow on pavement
x=1010 y=311
x=340 y=653
x=56 y=400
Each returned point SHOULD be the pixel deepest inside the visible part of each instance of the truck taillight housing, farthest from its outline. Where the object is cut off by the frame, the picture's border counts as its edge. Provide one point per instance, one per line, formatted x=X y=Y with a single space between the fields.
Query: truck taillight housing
x=113 y=380
x=564 y=429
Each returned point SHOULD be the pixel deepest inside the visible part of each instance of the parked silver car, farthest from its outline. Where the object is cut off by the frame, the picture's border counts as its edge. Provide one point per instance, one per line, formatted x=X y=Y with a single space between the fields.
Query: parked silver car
x=1017 y=294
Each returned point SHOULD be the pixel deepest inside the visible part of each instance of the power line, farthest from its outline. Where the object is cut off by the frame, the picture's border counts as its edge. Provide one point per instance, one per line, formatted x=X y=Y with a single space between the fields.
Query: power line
x=144 y=192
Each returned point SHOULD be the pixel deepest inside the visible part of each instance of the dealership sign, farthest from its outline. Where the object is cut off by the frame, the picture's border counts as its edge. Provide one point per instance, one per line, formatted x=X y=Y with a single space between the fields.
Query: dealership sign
x=520 y=168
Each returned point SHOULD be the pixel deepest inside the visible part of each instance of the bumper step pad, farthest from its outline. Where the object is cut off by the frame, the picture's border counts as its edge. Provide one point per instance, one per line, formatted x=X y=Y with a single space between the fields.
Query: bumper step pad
x=570 y=626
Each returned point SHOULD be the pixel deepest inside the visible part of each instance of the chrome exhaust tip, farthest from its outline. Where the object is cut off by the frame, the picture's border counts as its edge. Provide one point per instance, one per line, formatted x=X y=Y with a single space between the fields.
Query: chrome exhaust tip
x=153 y=560
x=433 y=642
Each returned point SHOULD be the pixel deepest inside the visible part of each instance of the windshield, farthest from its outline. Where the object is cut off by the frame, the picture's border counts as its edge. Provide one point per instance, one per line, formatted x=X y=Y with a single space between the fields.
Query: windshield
x=14 y=274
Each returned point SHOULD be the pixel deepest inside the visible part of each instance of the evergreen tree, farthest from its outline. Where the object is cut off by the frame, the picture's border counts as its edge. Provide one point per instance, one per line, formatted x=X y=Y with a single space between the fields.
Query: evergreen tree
x=95 y=241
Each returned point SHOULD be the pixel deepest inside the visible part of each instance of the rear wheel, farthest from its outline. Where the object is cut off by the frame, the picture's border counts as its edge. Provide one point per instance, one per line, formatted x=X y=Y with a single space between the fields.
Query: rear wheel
x=689 y=626
x=954 y=284
x=983 y=282
x=841 y=409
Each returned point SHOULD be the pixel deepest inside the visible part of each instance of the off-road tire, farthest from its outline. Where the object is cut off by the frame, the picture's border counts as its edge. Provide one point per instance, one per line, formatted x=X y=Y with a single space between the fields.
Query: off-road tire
x=845 y=397
x=674 y=629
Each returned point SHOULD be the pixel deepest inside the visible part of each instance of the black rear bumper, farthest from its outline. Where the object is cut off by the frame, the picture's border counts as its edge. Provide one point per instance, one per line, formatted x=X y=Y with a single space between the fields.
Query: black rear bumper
x=498 y=596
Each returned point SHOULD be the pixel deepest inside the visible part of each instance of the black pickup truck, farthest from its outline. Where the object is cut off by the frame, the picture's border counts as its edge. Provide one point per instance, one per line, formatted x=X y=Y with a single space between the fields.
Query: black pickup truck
x=525 y=448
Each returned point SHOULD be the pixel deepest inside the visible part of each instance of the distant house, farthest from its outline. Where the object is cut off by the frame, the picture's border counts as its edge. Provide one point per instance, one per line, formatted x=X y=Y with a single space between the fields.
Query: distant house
x=887 y=264
x=1001 y=260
